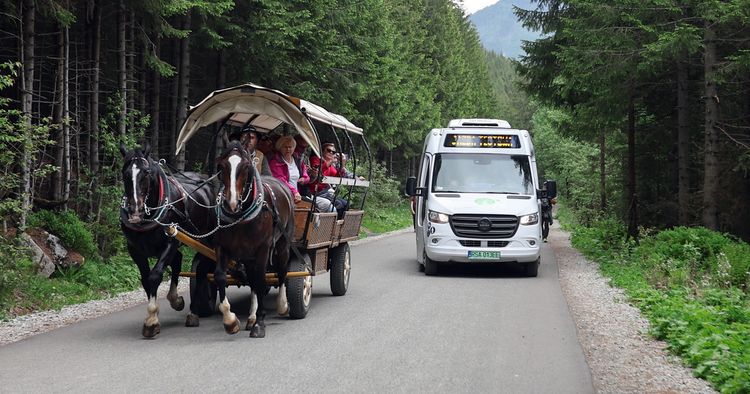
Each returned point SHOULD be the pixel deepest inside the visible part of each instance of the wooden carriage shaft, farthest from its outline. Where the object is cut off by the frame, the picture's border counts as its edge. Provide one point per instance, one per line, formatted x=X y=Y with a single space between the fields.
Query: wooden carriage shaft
x=211 y=254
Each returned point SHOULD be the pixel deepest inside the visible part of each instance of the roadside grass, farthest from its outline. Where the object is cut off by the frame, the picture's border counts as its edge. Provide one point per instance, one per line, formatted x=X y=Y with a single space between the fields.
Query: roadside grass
x=380 y=220
x=692 y=285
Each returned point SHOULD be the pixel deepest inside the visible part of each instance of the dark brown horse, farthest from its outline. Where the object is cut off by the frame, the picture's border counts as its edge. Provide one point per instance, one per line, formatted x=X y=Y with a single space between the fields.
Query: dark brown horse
x=257 y=217
x=152 y=199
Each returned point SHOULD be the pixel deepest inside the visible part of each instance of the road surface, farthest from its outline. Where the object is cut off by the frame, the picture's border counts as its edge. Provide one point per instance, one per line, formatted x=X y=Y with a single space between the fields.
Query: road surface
x=472 y=329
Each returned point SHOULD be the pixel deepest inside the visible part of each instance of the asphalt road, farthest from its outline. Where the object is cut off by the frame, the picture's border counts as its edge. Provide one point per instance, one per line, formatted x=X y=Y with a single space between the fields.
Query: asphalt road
x=473 y=329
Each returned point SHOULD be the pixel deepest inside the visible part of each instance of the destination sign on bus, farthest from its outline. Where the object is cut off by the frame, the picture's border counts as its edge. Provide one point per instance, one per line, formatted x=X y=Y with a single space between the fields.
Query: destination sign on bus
x=481 y=141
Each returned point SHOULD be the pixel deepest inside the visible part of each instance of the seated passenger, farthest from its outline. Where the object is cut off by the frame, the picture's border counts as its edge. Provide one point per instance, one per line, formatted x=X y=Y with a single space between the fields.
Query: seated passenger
x=287 y=168
x=248 y=137
x=327 y=168
x=301 y=154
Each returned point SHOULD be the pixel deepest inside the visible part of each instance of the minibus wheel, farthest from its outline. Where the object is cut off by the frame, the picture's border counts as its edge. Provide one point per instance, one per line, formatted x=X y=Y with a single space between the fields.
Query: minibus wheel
x=532 y=268
x=430 y=266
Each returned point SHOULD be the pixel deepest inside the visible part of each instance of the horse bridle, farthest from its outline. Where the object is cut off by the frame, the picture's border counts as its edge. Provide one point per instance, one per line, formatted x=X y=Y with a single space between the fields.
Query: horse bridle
x=252 y=211
x=162 y=193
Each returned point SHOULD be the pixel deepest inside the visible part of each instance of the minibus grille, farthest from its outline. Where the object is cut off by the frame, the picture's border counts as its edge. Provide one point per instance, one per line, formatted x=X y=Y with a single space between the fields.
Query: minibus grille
x=484 y=226
x=475 y=243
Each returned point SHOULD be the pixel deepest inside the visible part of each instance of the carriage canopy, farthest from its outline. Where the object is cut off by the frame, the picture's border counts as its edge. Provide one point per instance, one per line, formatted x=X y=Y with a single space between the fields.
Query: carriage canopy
x=263 y=108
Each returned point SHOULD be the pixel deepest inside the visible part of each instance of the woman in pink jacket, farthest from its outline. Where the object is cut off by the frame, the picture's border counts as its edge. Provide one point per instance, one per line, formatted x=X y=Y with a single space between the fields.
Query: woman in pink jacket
x=287 y=168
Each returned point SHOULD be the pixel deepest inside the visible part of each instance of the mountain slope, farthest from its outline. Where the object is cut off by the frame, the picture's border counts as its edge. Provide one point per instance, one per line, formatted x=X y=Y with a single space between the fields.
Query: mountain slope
x=499 y=29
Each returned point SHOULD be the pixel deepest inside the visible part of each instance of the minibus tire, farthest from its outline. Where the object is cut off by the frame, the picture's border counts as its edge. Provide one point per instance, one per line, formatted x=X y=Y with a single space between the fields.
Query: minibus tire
x=532 y=268
x=430 y=266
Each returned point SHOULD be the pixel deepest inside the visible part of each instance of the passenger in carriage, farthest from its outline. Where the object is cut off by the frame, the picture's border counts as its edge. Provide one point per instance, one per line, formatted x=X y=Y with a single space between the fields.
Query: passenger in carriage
x=249 y=137
x=328 y=167
x=287 y=168
x=301 y=154
x=266 y=144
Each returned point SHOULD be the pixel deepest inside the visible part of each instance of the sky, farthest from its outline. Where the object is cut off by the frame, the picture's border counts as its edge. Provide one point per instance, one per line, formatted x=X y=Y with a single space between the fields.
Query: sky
x=472 y=6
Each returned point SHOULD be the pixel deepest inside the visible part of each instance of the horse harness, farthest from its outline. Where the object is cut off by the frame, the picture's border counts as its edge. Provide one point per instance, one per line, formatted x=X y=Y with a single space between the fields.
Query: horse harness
x=259 y=203
x=163 y=204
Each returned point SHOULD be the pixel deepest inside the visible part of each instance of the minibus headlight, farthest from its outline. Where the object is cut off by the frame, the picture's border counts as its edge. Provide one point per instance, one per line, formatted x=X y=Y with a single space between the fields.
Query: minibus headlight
x=530 y=219
x=437 y=217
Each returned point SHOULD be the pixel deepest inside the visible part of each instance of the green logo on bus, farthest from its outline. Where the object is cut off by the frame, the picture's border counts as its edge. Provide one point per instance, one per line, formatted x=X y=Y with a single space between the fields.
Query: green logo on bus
x=484 y=201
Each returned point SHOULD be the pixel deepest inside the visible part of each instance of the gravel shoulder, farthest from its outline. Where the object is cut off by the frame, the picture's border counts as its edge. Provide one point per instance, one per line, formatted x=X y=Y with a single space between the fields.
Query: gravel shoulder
x=613 y=334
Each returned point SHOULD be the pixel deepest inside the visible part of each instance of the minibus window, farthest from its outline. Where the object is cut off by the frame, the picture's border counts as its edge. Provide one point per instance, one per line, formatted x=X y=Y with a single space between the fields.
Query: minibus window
x=482 y=173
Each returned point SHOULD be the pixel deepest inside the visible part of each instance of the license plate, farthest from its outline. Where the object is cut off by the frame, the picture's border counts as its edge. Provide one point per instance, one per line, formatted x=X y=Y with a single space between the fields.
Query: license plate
x=483 y=255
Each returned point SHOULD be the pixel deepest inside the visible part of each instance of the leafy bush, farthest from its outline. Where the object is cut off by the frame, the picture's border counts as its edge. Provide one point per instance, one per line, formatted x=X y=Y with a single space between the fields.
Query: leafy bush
x=384 y=191
x=691 y=283
x=11 y=257
x=69 y=228
x=694 y=257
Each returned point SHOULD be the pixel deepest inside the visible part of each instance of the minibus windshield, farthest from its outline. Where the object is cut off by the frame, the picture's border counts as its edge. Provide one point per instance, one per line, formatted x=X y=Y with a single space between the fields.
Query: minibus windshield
x=482 y=173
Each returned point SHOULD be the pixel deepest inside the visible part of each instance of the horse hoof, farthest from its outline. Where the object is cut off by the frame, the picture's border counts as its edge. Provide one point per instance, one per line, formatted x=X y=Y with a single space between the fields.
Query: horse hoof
x=284 y=310
x=192 y=320
x=232 y=328
x=250 y=324
x=150 y=332
x=258 y=331
x=178 y=304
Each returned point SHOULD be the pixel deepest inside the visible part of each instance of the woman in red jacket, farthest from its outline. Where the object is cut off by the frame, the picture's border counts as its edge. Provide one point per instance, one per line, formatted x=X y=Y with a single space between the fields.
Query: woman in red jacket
x=328 y=167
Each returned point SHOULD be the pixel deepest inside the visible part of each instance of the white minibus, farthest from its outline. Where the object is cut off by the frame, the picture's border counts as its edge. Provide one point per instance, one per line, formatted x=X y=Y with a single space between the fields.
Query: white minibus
x=477 y=196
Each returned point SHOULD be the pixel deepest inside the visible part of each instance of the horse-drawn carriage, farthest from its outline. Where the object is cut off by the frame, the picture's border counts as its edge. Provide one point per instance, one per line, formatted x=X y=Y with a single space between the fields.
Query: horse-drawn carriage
x=259 y=234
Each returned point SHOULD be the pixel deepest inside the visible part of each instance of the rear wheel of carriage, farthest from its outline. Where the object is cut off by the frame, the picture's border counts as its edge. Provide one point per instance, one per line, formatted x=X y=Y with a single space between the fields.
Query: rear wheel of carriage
x=299 y=289
x=339 y=263
x=203 y=299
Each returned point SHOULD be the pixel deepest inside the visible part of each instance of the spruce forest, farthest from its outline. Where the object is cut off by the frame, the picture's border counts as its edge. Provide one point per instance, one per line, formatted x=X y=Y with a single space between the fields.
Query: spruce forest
x=82 y=76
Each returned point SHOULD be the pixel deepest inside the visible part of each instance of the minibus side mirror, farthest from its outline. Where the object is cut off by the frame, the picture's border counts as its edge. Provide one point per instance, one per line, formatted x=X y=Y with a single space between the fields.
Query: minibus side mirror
x=551 y=187
x=411 y=187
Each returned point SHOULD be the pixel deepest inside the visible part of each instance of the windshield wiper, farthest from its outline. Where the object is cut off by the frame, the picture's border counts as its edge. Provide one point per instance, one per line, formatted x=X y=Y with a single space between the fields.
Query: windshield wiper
x=500 y=192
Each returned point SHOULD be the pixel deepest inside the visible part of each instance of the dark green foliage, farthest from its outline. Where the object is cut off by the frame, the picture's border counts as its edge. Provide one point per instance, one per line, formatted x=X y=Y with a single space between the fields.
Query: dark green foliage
x=384 y=191
x=687 y=256
x=11 y=257
x=692 y=285
x=69 y=228
x=599 y=56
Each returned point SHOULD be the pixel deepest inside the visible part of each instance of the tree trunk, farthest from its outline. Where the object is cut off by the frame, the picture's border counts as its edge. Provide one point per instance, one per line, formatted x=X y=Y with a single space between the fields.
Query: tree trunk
x=96 y=43
x=27 y=88
x=683 y=145
x=57 y=120
x=711 y=171
x=174 y=99
x=130 y=67
x=632 y=193
x=602 y=173
x=155 y=103
x=221 y=82
x=66 y=120
x=184 y=85
x=94 y=106
x=122 y=70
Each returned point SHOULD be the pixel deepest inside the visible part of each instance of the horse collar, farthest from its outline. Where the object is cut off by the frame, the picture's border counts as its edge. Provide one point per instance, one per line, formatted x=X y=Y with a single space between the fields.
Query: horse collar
x=253 y=210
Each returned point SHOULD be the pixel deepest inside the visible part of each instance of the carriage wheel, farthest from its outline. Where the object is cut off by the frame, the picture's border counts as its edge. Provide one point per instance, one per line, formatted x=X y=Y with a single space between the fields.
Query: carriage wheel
x=204 y=298
x=339 y=263
x=299 y=290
